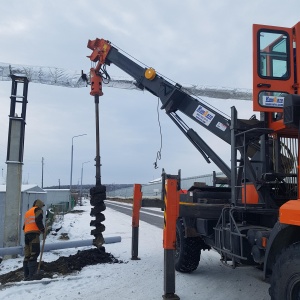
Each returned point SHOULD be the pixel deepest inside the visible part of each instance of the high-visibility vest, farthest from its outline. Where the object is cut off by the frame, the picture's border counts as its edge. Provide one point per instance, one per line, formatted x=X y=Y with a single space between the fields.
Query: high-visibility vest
x=29 y=221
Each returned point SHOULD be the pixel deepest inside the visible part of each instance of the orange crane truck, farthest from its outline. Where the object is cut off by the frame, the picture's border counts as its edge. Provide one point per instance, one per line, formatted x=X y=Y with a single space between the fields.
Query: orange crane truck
x=255 y=219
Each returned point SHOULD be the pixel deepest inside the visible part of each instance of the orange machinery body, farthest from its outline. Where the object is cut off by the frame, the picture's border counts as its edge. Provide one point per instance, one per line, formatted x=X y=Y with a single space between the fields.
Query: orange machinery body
x=249 y=194
x=276 y=51
x=279 y=53
x=274 y=71
x=100 y=49
x=289 y=213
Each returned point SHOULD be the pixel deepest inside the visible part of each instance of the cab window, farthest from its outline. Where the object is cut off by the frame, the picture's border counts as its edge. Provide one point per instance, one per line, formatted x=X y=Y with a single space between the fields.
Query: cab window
x=273 y=55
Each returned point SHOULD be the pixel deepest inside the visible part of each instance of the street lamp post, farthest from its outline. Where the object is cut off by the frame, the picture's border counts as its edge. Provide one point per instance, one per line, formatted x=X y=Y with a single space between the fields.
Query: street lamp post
x=75 y=136
x=80 y=199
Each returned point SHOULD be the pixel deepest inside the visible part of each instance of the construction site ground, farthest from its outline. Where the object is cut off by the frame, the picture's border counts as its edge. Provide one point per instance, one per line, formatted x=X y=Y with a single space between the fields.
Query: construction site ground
x=132 y=279
x=64 y=265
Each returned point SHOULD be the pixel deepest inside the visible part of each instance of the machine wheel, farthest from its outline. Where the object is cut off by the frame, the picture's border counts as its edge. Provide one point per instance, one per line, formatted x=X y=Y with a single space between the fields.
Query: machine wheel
x=188 y=251
x=285 y=281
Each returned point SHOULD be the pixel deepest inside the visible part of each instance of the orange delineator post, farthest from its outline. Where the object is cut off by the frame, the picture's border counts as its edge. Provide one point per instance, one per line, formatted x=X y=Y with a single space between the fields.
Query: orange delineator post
x=171 y=213
x=137 y=203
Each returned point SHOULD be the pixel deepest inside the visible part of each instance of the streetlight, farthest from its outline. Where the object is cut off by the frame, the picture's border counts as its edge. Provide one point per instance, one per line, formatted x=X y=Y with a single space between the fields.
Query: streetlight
x=75 y=136
x=80 y=199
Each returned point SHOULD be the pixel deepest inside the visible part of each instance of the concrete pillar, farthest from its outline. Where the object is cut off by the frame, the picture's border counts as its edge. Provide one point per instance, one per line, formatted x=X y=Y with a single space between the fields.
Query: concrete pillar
x=13 y=204
x=14 y=160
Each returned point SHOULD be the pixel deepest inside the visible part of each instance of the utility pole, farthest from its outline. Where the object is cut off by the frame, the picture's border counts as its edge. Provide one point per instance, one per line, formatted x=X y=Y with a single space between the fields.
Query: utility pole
x=72 y=150
x=59 y=183
x=42 y=172
x=14 y=161
x=80 y=197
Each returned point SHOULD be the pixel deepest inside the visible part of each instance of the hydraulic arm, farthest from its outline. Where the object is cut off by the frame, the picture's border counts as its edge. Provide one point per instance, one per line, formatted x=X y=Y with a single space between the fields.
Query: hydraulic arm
x=172 y=96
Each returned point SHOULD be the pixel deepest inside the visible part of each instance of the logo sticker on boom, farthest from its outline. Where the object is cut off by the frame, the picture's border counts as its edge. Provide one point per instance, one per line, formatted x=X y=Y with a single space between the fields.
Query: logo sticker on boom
x=221 y=126
x=273 y=101
x=203 y=115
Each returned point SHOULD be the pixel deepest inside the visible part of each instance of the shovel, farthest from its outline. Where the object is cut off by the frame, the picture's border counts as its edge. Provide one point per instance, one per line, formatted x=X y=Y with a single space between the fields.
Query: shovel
x=42 y=251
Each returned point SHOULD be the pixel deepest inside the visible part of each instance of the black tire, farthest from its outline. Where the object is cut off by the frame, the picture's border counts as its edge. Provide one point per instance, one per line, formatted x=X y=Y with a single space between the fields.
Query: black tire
x=285 y=281
x=188 y=251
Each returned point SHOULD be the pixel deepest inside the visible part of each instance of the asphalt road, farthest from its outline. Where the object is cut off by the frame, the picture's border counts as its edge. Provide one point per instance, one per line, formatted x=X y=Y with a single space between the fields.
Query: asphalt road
x=151 y=216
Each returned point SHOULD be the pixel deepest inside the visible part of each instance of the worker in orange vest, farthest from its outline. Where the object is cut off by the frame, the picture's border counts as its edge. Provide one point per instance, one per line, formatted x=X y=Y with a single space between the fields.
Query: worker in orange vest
x=33 y=227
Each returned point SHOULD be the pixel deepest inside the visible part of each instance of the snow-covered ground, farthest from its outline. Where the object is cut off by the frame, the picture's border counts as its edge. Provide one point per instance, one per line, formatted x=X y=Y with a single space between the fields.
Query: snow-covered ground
x=134 y=280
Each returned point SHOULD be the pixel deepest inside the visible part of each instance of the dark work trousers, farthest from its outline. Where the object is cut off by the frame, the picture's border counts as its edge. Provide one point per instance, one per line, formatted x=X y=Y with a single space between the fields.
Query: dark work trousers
x=32 y=246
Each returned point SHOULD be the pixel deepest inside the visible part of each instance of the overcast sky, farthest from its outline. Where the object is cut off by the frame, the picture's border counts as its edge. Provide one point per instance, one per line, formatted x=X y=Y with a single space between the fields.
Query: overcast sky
x=191 y=42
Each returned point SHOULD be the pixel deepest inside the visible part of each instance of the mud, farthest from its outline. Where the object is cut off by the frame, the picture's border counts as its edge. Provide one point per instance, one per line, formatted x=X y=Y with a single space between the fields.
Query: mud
x=65 y=265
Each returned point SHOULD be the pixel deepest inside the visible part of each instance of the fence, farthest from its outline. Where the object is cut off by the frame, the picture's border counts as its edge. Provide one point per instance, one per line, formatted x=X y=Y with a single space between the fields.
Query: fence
x=153 y=190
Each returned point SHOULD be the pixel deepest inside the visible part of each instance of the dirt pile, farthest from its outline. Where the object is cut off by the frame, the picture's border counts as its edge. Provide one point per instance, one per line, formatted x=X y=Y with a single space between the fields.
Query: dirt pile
x=65 y=265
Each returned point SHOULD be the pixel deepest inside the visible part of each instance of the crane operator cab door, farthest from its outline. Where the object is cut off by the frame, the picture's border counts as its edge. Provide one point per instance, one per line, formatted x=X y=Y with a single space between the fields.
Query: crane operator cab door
x=276 y=52
x=274 y=70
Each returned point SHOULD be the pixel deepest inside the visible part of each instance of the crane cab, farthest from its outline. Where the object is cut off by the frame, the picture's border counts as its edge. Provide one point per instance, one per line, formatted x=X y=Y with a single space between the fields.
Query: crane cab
x=275 y=72
x=276 y=53
x=274 y=66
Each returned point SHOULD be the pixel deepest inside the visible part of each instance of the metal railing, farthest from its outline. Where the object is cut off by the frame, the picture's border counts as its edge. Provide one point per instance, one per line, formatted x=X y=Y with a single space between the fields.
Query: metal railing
x=153 y=190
